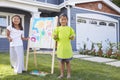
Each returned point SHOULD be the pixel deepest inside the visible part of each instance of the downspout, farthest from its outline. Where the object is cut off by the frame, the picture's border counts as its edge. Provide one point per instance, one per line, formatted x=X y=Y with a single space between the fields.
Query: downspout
x=118 y=34
x=68 y=7
x=69 y=15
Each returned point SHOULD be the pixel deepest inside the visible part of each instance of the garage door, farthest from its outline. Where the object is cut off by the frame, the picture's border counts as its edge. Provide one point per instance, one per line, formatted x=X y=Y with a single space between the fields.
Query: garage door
x=95 y=30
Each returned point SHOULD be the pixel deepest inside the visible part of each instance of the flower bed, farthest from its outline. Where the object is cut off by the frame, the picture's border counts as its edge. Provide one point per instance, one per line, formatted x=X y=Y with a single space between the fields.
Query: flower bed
x=109 y=53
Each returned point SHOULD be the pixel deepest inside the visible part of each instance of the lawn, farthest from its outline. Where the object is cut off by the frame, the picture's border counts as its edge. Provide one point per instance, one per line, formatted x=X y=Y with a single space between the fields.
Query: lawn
x=81 y=69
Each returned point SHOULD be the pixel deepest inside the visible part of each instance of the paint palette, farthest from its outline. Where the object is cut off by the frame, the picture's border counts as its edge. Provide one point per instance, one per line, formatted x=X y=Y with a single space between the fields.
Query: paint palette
x=38 y=73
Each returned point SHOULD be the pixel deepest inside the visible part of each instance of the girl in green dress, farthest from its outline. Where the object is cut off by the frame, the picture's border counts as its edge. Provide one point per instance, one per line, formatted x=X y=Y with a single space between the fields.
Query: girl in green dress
x=63 y=34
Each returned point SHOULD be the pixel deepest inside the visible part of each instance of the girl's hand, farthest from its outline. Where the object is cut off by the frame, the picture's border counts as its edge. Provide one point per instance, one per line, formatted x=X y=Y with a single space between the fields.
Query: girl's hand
x=10 y=39
x=55 y=36
x=27 y=38
x=71 y=37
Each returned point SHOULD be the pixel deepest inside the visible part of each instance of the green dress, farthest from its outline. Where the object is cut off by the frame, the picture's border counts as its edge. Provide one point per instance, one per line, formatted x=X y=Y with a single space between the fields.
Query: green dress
x=64 y=48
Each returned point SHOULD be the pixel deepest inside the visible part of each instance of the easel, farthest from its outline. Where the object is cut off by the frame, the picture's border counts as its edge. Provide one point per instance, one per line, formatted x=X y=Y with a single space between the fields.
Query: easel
x=28 y=49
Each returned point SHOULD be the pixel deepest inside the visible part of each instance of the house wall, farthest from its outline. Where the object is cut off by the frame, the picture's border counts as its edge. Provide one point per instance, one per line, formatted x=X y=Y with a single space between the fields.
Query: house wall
x=75 y=11
x=52 y=1
x=4 y=44
x=94 y=6
x=64 y=10
x=41 y=0
x=48 y=14
x=61 y=1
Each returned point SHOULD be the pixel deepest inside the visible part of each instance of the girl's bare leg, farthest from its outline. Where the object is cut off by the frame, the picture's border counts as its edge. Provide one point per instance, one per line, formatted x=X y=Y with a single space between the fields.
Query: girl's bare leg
x=68 y=69
x=62 y=66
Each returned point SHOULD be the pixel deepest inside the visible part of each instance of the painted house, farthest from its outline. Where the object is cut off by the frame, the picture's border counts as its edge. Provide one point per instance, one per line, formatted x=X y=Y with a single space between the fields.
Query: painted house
x=92 y=20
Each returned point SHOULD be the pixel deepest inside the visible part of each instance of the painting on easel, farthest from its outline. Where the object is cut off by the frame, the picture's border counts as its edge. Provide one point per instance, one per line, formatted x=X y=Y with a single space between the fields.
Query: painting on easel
x=41 y=32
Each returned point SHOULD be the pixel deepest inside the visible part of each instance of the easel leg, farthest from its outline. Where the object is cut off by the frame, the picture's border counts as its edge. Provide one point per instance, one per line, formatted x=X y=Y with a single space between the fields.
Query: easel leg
x=27 y=58
x=53 y=59
x=35 y=58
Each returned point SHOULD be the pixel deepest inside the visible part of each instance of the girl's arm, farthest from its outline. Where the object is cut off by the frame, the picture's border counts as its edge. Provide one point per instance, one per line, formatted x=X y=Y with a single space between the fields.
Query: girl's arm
x=72 y=34
x=8 y=36
x=23 y=38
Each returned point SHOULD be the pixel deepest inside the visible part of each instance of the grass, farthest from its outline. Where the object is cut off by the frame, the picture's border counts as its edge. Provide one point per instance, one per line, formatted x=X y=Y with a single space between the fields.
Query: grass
x=81 y=69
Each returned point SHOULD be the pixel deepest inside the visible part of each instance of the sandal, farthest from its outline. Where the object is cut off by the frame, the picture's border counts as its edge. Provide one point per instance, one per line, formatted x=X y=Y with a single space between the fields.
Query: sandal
x=59 y=77
x=68 y=77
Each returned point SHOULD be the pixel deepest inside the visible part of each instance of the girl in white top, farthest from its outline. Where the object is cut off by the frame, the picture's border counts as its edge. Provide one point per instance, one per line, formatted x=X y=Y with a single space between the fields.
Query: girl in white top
x=15 y=35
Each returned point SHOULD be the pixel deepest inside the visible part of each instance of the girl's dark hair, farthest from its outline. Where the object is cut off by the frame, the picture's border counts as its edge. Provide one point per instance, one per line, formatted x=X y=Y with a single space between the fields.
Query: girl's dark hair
x=20 y=24
x=62 y=15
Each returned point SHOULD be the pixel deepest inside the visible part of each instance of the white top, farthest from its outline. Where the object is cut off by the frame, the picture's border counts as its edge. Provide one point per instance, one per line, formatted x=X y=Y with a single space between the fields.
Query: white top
x=16 y=36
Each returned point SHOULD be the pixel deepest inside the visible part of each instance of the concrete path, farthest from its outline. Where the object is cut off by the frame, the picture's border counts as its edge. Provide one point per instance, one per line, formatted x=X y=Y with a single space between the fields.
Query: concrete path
x=108 y=61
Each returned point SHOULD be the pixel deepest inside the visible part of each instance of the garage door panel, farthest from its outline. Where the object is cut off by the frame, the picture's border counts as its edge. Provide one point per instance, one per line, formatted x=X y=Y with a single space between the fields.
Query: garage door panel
x=88 y=33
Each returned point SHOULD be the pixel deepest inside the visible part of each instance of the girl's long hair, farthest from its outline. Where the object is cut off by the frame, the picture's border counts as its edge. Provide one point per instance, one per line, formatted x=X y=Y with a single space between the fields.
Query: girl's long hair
x=20 y=24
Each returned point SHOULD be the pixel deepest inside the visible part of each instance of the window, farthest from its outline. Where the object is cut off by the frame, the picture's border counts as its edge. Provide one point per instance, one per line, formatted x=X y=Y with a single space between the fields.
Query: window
x=93 y=22
x=111 y=24
x=81 y=20
x=3 y=25
x=103 y=23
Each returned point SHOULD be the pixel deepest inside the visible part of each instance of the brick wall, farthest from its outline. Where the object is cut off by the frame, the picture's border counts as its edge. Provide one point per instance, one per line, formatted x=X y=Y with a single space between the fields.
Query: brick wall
x=94 y=6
